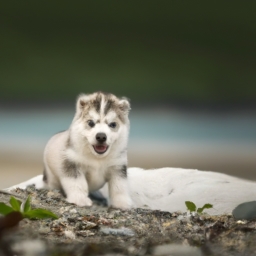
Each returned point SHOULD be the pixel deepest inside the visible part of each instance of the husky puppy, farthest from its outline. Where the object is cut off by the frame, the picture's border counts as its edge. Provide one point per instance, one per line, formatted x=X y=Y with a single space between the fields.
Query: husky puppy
x=91 y=152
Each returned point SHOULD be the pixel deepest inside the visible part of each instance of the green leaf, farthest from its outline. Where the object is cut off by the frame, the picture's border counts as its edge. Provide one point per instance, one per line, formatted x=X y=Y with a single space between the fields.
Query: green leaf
x=206 y=206
x=190 y=206
x=200 y=209
x=39 y=214
x=15 y=204
x=5 y=209
x=27 y=206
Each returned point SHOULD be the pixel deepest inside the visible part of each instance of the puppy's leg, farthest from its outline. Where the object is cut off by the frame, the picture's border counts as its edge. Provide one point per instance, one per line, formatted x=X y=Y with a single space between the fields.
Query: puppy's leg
x=74 y=184
x=76 y=190
x=118 y=188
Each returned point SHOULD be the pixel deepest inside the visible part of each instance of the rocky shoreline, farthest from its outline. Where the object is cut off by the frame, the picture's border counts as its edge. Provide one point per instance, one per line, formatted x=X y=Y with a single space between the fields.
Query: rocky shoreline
x=102 y=231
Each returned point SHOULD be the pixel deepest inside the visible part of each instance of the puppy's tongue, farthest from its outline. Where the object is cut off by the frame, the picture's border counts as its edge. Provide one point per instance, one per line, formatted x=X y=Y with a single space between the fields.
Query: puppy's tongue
x=100 y=149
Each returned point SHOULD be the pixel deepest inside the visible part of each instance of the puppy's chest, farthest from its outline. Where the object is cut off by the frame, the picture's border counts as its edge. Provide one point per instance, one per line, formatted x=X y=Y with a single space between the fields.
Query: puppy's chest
x=96 y=176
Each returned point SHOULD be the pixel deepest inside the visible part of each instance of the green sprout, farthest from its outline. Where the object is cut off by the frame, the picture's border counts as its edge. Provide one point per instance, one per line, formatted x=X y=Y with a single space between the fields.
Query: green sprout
x=192 y=207
x=25 y=209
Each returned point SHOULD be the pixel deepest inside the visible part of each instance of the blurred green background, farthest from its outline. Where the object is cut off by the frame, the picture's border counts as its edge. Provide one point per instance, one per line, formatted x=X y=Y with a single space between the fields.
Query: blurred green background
x=196 y=53
x=187 y=66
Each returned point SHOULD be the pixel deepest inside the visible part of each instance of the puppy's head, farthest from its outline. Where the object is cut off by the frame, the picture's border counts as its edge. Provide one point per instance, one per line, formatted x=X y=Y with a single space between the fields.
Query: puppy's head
x=102 y=120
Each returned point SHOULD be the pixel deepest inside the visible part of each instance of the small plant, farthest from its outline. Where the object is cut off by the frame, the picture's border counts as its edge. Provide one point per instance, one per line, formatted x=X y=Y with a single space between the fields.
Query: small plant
x=25 y=209
x=192 y=207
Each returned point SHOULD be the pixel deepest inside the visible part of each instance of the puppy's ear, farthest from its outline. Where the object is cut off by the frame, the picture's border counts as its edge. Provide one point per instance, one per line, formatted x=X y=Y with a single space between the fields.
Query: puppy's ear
x=124 y=105
x=82 y=101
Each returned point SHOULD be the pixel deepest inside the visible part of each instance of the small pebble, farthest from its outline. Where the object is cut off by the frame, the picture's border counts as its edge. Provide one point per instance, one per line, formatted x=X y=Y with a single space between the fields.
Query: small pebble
x=245 y=211
x=85 y=233
x=70 y=234
x=73 y=210
x=117 y=231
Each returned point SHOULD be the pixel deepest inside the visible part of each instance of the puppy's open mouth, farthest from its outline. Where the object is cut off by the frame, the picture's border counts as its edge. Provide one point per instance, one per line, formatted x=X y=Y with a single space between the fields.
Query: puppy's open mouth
x=100 y=149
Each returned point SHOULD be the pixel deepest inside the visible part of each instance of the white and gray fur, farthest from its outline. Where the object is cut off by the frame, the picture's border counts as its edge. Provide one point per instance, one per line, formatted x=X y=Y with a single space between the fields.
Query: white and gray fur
x=71 y=161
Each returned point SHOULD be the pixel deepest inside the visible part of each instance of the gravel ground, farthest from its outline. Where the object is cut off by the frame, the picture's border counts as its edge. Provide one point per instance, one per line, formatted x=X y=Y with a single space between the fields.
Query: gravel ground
x=104 y=231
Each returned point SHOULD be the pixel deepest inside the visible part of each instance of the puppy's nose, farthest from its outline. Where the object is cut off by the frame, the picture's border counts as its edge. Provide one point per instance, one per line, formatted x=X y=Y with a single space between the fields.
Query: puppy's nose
x=101 y=137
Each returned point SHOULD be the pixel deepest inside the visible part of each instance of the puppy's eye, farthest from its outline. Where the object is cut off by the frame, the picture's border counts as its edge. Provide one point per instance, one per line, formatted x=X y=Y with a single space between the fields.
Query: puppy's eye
x=112 y=125
x=91 y=123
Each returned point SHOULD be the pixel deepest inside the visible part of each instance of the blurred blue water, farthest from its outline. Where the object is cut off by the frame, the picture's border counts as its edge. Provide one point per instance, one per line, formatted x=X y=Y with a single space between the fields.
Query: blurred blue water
x=161 y=126
x=183 y=126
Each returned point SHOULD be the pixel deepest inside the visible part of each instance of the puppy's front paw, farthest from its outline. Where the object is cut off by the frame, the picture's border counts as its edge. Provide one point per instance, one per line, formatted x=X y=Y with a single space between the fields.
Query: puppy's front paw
x=79 y=199
x=122 y=202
